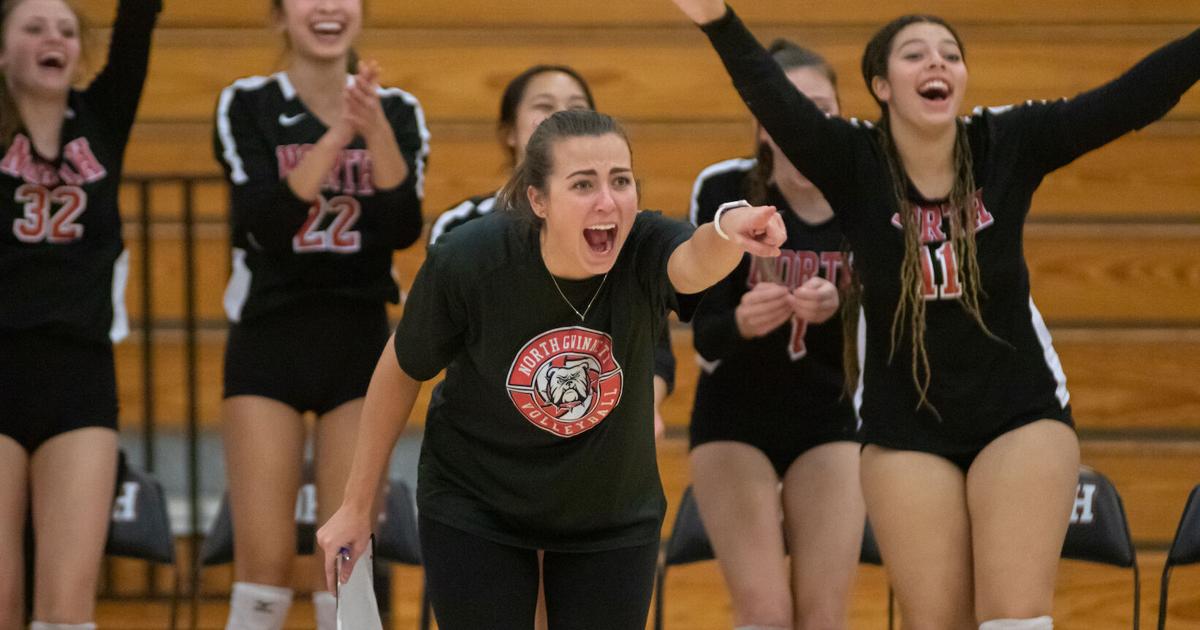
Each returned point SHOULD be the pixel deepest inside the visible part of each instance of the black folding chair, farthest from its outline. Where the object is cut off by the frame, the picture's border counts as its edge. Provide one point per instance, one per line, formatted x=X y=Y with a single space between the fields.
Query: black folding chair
x=1099 y=530
x=397 y=540
x=140 y=527
x=689 y=543
x=1184 y=550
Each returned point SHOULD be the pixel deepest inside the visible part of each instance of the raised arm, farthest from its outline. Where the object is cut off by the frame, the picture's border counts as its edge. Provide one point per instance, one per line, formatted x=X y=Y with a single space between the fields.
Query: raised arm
x=115 y=92
x=820 y=146
x=1146 y=92
x=708 y=256
x=389 y=401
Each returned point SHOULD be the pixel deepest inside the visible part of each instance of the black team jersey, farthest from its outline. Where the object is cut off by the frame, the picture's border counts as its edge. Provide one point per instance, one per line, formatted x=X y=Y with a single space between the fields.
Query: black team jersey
x=979 y=384
x=793 y=375
x=483 y=205
x=541 y=435
x=62 y=266
x=469 y=209
x=287 y=249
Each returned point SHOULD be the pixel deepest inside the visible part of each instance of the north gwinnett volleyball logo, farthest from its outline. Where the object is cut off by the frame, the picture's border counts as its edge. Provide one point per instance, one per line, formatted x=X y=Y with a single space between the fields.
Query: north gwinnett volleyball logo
x=566 y=381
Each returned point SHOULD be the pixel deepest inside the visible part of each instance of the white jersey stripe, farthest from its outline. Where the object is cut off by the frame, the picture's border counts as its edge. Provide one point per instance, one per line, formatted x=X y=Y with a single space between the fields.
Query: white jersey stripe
x=120 y=278
x=422 y=129
x=861 y=351
x=238 y=288
x=460 y=212
x=735 y=164
x=237 y=169
x=1052 y=360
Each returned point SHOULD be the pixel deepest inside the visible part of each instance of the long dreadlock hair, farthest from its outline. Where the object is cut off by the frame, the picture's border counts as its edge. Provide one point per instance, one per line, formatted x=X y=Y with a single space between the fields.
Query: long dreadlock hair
x=909 y=316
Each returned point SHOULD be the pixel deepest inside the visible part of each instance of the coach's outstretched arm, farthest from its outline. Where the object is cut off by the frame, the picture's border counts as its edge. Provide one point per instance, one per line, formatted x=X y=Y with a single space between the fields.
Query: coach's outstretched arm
x=389 y=401
x=715 y=248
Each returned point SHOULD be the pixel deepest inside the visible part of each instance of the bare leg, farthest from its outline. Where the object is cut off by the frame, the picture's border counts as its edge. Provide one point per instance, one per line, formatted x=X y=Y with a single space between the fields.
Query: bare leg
x=737 y=491
x=824 y=516
x=1020 y=491
x=917 y=504
x=264 y=448
x=72 y=479
x=14 y=497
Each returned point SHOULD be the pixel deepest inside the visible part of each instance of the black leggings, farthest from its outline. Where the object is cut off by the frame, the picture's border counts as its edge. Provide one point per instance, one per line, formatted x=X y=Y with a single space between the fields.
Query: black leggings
x=475 y=583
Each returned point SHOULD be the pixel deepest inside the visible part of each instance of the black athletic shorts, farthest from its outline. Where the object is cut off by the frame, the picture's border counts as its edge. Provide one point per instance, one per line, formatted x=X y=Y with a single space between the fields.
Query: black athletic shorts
x=782 y=438
x=312 y=356
x=51 y=384
x=965 y=457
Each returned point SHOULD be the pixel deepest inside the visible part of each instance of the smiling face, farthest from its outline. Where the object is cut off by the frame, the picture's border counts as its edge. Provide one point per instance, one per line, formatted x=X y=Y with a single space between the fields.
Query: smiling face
x=320 y=30
x=926 y=76
x=588 y=205
x=544 y=94
x=41 y=47
x=814 y=83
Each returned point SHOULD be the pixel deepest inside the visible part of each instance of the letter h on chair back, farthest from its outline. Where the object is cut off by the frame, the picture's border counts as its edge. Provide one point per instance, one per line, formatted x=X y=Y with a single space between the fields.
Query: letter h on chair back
x=1099 y=531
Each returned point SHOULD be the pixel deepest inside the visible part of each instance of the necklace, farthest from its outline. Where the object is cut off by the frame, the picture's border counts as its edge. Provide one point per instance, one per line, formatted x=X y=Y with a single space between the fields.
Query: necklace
x=583 y=315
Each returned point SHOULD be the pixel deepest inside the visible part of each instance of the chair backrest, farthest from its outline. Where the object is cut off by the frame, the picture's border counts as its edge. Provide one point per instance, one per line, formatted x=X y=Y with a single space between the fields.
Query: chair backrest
x=688 y=541
x=1099 y=530
x=870 y=549
x=140 y=527
x=1186 y=547
x=397 y=540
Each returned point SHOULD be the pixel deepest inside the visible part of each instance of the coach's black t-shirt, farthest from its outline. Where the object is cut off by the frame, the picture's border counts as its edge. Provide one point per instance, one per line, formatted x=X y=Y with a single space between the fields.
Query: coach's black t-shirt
x=61 y=261
x=792 y=376
x=286 y=249
x=482 y=205
x=542 y=435
x=979 y=383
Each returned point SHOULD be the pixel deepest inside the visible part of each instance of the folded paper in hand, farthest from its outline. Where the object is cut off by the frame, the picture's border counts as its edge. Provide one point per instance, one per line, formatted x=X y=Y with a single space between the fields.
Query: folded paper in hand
x=356 y=605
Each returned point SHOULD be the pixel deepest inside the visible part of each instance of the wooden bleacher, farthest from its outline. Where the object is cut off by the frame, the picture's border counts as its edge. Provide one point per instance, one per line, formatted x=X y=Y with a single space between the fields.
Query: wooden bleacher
x=1113 y=244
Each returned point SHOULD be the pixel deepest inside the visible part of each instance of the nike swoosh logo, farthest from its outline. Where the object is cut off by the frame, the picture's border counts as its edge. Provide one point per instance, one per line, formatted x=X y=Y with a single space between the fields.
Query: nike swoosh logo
x=288 y=121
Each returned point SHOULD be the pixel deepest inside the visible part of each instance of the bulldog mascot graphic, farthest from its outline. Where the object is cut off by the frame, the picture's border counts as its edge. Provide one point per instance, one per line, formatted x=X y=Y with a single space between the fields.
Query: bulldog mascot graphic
x=566 y=381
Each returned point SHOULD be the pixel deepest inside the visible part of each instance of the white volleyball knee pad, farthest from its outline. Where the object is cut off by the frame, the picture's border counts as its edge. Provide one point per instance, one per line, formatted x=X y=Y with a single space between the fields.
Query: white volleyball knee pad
x=325 y=610
x=258 y=606
x=1037 y=623
x=43 y=625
